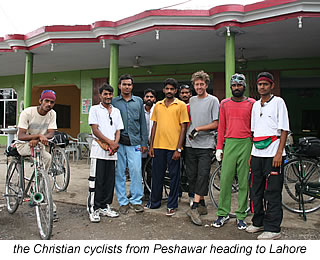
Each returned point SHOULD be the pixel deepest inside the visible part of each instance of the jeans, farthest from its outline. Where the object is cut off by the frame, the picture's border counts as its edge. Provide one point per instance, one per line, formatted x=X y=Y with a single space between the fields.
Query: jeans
x=132 y=156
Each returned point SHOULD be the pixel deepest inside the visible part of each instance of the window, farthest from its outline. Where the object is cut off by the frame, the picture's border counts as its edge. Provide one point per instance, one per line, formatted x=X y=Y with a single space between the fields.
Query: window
x=311 y=121
x=8 y=108
x=63 y=115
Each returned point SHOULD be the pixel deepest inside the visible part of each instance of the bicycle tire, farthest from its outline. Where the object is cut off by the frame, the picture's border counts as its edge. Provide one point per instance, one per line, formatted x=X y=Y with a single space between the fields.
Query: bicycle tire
x=147 y=168
x=44 y=209
x=13 y=186
x=290 y=199
x=214 y=190
x=60 y=169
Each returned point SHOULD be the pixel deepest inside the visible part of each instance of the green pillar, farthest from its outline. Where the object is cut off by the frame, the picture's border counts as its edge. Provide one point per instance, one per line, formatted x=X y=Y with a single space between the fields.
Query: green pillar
x=113 y=68
x=230 y=62
x=28 y=80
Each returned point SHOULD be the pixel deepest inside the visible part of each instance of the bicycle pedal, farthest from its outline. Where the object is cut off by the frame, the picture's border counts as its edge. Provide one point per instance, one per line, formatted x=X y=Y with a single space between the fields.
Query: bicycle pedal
x=31 y=204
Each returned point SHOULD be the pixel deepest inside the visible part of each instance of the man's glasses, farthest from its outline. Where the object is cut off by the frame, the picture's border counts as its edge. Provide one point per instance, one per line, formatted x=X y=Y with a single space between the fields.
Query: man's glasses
x=110 y=118
x=237 y=77
x=48 y=91
x=184 y=86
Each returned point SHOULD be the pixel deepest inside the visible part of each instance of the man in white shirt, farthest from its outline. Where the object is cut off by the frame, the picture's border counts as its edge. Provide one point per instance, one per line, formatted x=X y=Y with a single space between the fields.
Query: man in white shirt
x=149 y=100
x=106 y=123
x=270 y=126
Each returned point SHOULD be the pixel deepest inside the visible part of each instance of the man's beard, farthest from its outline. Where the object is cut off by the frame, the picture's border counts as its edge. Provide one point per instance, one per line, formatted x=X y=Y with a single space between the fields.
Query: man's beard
x=149 y=103
x=237 y=93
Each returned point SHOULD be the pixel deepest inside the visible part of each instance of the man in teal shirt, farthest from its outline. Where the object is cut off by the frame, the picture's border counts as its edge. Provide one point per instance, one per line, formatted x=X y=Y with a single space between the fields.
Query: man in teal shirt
x=133 y=142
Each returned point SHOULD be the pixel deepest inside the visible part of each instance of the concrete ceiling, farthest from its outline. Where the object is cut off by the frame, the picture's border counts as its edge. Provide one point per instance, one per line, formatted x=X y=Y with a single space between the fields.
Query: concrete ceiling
x=274 y=39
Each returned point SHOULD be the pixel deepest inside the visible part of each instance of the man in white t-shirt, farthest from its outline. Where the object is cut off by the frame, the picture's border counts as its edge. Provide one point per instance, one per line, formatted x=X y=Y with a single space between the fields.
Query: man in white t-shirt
x=106 y=123
x=270 y=126
x=149 y=99
x=37 y=124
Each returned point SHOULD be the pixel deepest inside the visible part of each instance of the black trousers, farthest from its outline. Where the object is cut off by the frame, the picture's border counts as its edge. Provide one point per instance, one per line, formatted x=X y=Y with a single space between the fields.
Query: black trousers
x=101 y=184
x=266 y=184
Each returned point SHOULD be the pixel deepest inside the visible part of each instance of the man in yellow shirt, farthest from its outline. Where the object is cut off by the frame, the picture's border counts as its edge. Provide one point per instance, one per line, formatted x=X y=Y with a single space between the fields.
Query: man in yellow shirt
x=170 y=118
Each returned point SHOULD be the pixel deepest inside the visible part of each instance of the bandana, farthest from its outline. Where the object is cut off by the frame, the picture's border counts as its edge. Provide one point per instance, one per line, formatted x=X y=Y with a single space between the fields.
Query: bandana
x=266 y=79
x=49 y=94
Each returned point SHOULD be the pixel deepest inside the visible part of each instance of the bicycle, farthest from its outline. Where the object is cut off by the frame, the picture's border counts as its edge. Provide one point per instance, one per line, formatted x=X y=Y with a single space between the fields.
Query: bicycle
x=184 y=185
x=59 y=168
x=302 y=184
x=35 y=190
x=214 y=190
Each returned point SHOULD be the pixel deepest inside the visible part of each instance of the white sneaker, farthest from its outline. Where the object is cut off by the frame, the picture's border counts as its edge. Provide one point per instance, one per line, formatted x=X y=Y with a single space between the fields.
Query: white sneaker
x=108 y=212
x=254 y=229
x=269 y=236
x=190 y=201
x=94 y=216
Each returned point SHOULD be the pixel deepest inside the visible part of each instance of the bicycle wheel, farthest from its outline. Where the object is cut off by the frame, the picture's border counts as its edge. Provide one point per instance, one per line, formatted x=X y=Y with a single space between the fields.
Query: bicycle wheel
x=60 y=169
x=214 y=190
x=294 y=170
x=147 y=169
x=44 y=205
x=13 y=186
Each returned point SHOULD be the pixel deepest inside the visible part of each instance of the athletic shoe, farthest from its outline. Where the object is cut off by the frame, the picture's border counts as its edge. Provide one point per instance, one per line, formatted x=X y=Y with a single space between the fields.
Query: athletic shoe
x=241 y=224
x=254 y=229
x=124 y=209
x=194 y=215
x=94 y=216
x=220 y=221
x=190 y=201
x=170 y=212
x=136 y=207
x=108 y=212
x=269 y=236
x=202 y=210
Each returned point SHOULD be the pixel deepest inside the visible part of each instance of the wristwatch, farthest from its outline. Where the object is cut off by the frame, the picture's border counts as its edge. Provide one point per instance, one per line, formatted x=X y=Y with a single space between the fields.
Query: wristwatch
x=179 y=150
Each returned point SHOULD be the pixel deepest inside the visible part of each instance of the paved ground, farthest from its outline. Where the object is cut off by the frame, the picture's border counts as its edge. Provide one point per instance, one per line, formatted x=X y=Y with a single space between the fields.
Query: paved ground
x=150 y=225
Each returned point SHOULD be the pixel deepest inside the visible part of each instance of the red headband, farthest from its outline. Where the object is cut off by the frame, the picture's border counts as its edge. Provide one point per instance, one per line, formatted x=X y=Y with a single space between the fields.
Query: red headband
x=265 y=78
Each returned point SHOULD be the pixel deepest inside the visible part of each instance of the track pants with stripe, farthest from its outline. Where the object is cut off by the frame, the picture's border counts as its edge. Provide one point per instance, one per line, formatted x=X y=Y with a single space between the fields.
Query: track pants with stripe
x=266 y=184
x=101 y=184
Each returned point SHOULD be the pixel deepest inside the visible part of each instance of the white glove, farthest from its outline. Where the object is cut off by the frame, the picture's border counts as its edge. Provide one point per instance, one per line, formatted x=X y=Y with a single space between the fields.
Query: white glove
x=219 y=154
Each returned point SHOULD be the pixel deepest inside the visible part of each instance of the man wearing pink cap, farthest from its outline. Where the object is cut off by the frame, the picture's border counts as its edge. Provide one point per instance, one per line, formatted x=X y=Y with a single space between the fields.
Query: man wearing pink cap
x=37 y=124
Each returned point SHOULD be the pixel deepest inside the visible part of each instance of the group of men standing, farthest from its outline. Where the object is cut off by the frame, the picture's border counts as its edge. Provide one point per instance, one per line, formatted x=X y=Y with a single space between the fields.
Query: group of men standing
x=129 y=129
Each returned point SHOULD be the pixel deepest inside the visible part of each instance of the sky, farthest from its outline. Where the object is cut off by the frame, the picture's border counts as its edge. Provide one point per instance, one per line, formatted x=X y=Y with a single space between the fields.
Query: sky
x=24 y=16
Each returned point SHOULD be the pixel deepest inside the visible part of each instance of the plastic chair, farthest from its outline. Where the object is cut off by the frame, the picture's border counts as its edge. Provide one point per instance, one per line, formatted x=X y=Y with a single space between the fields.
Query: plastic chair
x=89 y=140
x=84 y=151
x=73 y=148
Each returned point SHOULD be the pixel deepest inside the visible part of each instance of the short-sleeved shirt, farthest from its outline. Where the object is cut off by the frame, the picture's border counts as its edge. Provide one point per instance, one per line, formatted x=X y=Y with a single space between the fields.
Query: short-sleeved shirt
x=35 y=123
x=99 y=115
x=269 y=120
x=132 y=113
x=203 y=111
x=169 y=120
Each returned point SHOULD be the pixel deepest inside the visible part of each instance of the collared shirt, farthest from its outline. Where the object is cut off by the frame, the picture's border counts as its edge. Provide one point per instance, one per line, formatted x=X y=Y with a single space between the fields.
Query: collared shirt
x=149 y=123
x=169 y=120
x=132 y=113
x=269 y=120
x=99 y=115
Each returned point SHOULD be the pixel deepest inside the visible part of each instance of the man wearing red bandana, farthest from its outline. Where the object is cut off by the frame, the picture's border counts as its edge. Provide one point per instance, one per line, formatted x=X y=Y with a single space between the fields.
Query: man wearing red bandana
x=270 y=126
